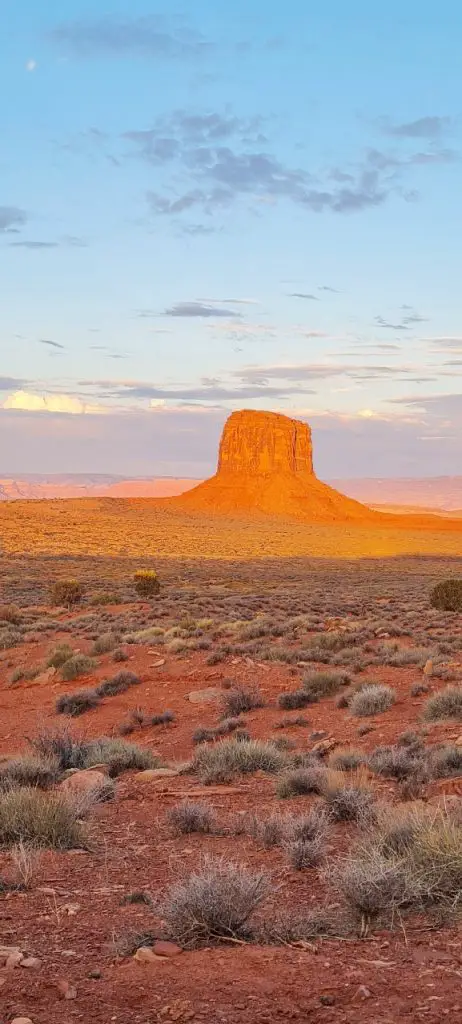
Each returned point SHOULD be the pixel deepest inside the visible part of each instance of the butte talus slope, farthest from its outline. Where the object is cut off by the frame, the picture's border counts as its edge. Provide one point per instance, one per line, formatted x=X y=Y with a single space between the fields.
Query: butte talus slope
x=265 y=464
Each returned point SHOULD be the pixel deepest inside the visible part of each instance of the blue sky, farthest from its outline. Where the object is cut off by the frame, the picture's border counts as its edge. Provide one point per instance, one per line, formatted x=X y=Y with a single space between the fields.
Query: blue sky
x=215 y=206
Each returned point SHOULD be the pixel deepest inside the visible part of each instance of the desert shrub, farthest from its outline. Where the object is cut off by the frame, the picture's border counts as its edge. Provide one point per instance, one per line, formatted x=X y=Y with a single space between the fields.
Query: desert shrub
x=435 y=861
x=445 y=761
x=59 y=655
x=294 y=699
x=17 y=676
x=119 y=756
x=300 y=782
x=103 y=598
x=269 y=831
x=119 y=655
x=447 y=595
x=147 y=583
x=78 y=665
x=60 y=747
x=323 y=684
x=119 y=683
x=290 y=723
x=214 y=903
x=445 y=704
x=29 y=770
x=192 y=816
x=75 y=704
x=28 y=815
x=239 y=699
x=9 y=638
x=346 y=759
x=104 y=644
x=348 y=798
x=165 y=718
x=229 y=758
x=289 y=925
x=371 y=883
x=66 y=592
x=10 y=613
x=372 y=700
x=307 y=835
x=396 y=762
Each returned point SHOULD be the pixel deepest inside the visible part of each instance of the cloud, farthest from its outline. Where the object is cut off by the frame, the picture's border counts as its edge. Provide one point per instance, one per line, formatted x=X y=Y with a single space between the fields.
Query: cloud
x=12 y=218
x=391 y=327
x=430 y=127
x=53 y=344
x=10 y=383
x=322 y=371
x=31 y=65
x=327 y=288
x=150 y=37
x=30 y=402
x=67 y=241
x=199 y=309
x=446 y=344
x=303 y=295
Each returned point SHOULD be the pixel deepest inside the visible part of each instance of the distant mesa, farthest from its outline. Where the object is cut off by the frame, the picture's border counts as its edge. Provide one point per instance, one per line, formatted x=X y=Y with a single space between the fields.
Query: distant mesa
x=265 y=464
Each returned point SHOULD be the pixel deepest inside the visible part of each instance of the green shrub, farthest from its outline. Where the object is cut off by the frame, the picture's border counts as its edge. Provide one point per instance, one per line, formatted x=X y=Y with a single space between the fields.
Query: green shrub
x=445 y=704
x=40 y=819
x=300 y=782
x=147 y=583
x=67 y=592
x=105 y=643
x=447 y=595
x=323 y=684
x=29 y=770
x=119 y=683
x=294 y=700
x=215 y=903
x=371 y=699
x=75 y=704
x=346 y=759
x=78 y=665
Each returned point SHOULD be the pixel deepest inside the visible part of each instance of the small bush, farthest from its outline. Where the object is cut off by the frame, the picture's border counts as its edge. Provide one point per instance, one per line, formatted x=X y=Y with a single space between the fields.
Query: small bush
x=119 y=756
x=348 y=798
x=445 y=761
x=417 y=689
x=41 y=819
x=66 y=592
x=372 y=700
x=9 y=638
x=61 y=747
x=300 y=782
x=447 y=596
x=323 y=684
x=192 y=816
x=147 y=583
x=119 y=683
x=29 y=770
x=346 y=759
x=290 y=723
x=269 y=831
x=239 y=699
x=75 y=704
x=59 y=655
x=445 y=704
x=78 y=665
x=10 y=613
x=235 y=757
x=104 y=644
x=165 y=718
x=216 y=902
x=371 y=883
x=119 y=655
x=294 y=700
x=306 y=843
x=395 y=762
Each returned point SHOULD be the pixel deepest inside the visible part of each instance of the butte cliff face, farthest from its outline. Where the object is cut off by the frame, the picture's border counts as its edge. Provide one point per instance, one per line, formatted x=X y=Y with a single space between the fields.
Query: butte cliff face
x=265 y=464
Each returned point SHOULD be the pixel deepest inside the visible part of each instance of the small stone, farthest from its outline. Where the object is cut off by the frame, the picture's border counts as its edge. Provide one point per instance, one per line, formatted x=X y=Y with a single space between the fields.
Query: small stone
x=145 y=955
x=428 y=668
x=151 y=774
x=85 y=783
x=319 y=735
x=66 y=990
x=30 y=961
x=14 y=959
x=208 y=696
x=327 y=1000
x=166 y=948
x=363 y=992
x=158 y=663
x=6 y=952
x=21 y=1020
x=95 y=974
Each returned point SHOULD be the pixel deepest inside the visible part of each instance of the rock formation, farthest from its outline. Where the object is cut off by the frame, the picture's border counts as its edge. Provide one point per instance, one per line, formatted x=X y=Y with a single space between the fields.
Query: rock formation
x=265 y=464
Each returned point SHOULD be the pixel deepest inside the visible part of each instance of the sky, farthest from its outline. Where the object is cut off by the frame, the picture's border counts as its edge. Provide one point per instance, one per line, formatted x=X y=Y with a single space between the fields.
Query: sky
x=213 y=206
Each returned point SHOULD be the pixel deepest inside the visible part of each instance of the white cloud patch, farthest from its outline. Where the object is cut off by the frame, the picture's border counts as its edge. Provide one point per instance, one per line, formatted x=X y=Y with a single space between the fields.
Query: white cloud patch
x=68 y=404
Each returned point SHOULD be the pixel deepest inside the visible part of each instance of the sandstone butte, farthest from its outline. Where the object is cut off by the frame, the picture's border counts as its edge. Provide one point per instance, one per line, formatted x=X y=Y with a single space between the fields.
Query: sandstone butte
x=265 y=464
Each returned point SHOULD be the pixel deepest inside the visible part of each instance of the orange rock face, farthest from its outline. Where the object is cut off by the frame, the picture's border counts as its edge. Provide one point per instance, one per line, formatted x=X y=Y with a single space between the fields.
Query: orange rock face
x=265 y=464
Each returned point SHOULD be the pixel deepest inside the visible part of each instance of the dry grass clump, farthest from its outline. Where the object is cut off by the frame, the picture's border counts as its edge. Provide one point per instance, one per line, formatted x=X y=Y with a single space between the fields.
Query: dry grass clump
x=445 y=761
x=29 y=770
x=306 y=840
x=294 y=700
x=371 y=699
x=10 y=613
x=59 y=655
x=445 y=704
x=60 y=747
x=291 y=723
x=68 y=592
x=346 y=759
x=192 y=816
x=447 y=595
x=28 y=815
x=119 y=756
x=300 y=782
x=147 y=583
x=75 y=704
x=397 y=762
x=348 y=797
x=104 y=644
x=119 y=683
x=203 y=734
x=323 y=684
x=77 y=665
x=239 y=699
x=229 y=758
x=215 y=903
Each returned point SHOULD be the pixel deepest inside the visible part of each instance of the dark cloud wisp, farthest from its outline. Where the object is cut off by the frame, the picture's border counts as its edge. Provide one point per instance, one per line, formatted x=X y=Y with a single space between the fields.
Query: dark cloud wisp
x=149 y=37
x=200 y=309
